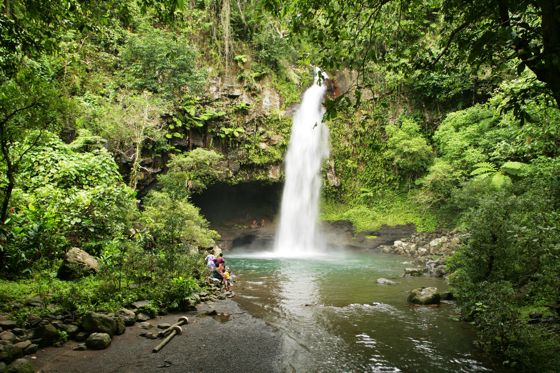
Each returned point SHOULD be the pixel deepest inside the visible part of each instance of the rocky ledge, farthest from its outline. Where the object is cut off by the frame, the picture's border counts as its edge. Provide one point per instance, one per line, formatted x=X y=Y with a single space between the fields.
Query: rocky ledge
x=429 y=251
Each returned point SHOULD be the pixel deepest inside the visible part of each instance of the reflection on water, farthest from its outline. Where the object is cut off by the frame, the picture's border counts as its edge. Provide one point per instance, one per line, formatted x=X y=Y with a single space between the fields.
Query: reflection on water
x=336 y=318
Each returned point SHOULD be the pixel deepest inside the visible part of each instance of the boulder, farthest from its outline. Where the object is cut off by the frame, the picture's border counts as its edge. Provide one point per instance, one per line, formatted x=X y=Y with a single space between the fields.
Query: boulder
x=70 y=329
x=141 y=317
x=98 y=322
x=98 y=341
x=81 y=336
x=384 y=281
x=46 y=334
x=9 y=352
x=128 y=316
x=31 y=349
x=35 y=302
x=8 y=324
x=140 y=304
x=121 y=327
x=415 y=271
x=23 y=344
x=77 y=264
x=7 y=336
x=424 y=296
x=20 y=366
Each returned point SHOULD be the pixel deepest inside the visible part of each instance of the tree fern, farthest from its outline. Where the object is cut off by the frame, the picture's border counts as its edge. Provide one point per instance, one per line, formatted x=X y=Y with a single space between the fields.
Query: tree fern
x=484 y=169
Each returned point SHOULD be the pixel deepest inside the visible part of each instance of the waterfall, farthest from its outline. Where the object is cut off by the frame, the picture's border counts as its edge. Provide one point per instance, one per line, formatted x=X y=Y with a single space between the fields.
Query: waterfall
x=298 y=232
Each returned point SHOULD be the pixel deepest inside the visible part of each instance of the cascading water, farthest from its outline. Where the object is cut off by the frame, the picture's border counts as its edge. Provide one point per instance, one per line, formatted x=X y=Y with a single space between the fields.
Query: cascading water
x=298 y=232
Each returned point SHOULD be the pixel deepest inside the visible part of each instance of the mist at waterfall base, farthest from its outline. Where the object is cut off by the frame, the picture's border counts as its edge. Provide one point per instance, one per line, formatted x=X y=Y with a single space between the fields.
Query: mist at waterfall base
x=298 y=230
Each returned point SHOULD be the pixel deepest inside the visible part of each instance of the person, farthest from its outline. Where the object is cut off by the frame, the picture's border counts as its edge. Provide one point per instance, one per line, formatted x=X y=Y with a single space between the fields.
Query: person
x=217 y=274
x=227 y=277
x=210 y=262
x=220 y=260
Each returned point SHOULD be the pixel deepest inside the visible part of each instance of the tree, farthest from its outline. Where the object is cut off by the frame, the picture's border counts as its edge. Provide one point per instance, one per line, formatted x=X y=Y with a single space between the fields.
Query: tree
x=28 y=102
x=191 y=172
x=426 y=34
x=407 y=149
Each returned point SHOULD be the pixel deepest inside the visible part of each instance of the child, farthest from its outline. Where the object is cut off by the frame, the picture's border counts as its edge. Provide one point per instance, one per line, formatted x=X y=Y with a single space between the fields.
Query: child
x=227 y=277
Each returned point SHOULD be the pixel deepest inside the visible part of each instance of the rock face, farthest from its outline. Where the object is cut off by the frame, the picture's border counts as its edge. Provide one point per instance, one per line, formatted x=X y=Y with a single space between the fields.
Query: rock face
x=77 y=264
x=424 y=296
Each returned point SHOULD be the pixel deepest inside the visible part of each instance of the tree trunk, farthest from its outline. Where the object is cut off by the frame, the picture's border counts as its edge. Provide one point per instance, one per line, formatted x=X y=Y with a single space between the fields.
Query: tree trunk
x=550 y=20
x=7 y=195
x=135 y=170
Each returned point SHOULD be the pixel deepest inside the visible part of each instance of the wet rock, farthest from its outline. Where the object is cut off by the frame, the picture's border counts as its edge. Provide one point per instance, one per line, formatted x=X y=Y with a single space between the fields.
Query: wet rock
x=121 y=327
x=31 y=349
x=384 y=281
x=80 y=347
x=81 y=336
x=128 y=316
x=424 y=296
x=8 y=324
x=98 y=322
x=77 y=264
x=163 y=325
x=10 y=352
x=145 y=325
x=20 y=366
x=415 y=271
x=35 y=302
x=20 y=332
x=98 y=341
x=139 y=304
x=70 y=329
x=23 y=345
x=7 y=336
x=33 y=321
x=141 y=317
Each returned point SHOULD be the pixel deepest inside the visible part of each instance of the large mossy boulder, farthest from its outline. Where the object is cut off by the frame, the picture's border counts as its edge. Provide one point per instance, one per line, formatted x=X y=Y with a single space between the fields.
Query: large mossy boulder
x=424 y=296
x=98 y=341
x=9 y=352
x=77 y=264
x=98 y=322
x=20 y=366
x=46 y=334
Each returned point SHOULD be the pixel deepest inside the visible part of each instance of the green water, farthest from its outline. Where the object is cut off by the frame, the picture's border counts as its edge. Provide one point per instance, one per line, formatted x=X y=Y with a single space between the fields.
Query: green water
x=336 y=318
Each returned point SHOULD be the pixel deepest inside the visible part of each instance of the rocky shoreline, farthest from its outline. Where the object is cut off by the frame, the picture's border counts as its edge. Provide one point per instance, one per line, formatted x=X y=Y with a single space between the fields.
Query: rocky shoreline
x=428 y=251
x=92 y=330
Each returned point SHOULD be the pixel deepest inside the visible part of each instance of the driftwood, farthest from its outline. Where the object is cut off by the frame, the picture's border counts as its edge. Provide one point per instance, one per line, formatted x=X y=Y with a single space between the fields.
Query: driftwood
x=171 y=332
x=176 y=329
x=182 y=321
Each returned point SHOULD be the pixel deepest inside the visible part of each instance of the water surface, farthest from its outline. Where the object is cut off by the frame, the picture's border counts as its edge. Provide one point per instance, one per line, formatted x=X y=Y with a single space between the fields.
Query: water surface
x=336 y=318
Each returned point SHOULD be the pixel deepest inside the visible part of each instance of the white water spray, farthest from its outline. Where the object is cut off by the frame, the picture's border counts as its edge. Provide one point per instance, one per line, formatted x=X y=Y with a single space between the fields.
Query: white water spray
x=298 y=233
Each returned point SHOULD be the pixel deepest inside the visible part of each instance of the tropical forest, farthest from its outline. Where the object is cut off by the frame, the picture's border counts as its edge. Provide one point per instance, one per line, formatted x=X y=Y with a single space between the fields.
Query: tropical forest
x=274 y=186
